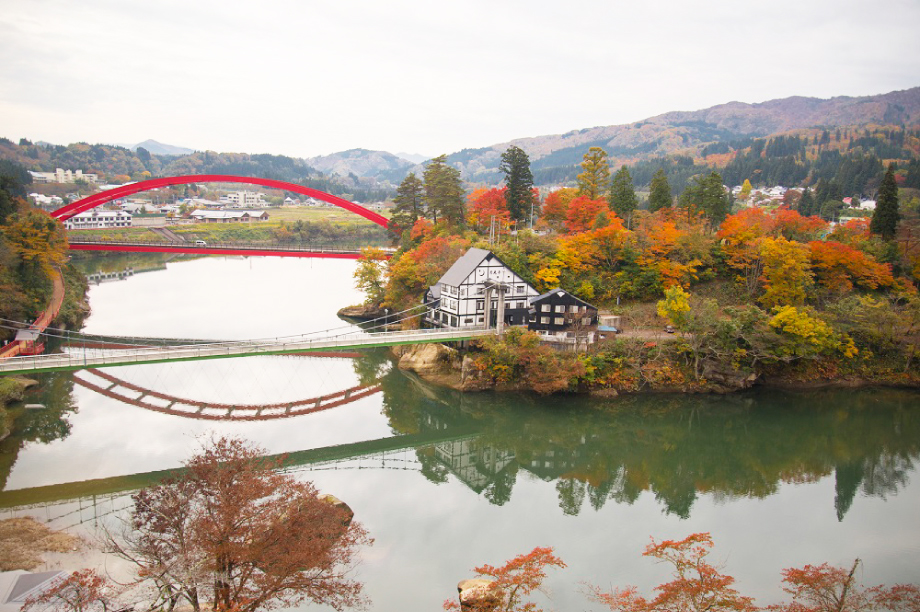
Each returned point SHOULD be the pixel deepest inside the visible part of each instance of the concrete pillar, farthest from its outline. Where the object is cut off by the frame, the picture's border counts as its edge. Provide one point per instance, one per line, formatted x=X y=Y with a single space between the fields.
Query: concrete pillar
x=500 y=316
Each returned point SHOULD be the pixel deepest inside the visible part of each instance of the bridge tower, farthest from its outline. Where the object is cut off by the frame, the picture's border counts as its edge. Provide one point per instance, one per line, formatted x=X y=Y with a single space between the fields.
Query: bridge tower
x=495 y=289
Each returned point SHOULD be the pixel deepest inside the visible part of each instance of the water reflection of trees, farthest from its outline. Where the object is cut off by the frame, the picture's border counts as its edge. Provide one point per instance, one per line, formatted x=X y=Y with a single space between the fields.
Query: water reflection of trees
x=675 y=447
x=55 y=393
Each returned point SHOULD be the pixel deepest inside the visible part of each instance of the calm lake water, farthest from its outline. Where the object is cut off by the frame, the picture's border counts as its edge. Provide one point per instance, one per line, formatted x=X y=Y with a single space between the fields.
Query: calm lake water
x=780 y=479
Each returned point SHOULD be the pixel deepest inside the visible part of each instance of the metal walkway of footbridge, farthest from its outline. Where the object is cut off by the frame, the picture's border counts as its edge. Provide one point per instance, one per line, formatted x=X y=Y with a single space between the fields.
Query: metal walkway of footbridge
x=223 y=350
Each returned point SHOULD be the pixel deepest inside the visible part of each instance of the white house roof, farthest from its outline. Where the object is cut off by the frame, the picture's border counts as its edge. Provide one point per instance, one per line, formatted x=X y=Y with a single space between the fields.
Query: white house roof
x=465 y=266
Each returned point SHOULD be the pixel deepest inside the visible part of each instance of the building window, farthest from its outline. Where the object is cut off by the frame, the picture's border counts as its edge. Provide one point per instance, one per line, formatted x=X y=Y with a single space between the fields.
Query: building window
x=480 y=290
x=519 y=289
x=480 y=304
x=468 y=321
x=586 y=321
x=573 y=308
x=544 y=320
x=559 y=321
x=545 y=308
x=560 y=308
x=520 y=305
x=481 y=319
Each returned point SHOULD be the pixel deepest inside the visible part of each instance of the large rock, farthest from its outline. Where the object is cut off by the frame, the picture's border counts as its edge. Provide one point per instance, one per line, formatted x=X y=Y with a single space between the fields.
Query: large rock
x=726 y=378
x=478 y=595
x=432 y=362
x=362 y=312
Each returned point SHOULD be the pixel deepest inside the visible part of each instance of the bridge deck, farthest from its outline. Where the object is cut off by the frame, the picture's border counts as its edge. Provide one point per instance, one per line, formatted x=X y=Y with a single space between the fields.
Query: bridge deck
x=213 y=248
x=224 y=350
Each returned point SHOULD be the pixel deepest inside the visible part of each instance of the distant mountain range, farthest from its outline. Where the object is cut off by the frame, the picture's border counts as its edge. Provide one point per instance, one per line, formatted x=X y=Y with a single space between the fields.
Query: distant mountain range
x=689 y=132
x=158 y=148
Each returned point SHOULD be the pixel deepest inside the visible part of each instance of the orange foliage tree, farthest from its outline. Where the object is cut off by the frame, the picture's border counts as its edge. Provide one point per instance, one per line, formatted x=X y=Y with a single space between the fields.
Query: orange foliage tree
x=838 y=267
x=825 y=588
x=516 y=580
x=556 y=206
x=583 y=213
x=483 y=204
x=419 y=268
x=672 y=245
x=697 y=586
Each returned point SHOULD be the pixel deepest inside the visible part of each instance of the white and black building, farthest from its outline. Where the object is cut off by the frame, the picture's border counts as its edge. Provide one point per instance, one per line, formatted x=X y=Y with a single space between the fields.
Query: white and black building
x=478 y=285
x=558 y=316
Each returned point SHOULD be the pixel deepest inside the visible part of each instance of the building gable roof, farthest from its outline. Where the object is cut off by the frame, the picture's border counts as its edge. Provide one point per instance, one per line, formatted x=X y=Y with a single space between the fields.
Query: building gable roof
x=465 y=266
x=559 y=291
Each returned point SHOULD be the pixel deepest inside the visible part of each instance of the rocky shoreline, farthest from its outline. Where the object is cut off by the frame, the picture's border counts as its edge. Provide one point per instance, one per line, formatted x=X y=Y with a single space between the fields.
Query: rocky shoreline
x=449 y=367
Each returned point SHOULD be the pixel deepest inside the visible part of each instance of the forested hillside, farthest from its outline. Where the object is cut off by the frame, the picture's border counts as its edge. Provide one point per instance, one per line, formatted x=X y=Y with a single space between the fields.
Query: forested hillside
x=118 y=164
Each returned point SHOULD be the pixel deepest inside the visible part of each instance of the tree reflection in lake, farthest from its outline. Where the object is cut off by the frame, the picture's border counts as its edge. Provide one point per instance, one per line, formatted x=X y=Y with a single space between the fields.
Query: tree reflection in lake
x=45 y=425
x=677 y=447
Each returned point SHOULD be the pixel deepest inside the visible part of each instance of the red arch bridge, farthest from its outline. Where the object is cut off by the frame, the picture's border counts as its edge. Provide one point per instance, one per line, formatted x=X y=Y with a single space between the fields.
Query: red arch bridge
x=104 y=197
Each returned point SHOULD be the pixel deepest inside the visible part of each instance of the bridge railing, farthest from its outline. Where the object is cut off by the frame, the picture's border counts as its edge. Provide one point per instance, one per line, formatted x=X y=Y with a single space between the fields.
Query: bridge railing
x=233 y=349
x=254 y=246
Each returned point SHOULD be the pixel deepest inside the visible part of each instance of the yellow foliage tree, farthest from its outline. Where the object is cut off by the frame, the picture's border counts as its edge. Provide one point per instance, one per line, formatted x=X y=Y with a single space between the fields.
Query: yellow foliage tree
x=807 y=335
x=787 y=274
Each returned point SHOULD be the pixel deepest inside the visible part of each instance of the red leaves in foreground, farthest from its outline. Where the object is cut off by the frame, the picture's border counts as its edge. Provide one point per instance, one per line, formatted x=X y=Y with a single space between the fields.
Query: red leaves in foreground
x=697 y=585
x=825 y=588
x=517 y=579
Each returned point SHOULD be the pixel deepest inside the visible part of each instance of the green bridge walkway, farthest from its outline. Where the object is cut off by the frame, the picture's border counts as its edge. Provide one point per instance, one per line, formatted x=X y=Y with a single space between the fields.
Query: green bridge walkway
x=224 y=350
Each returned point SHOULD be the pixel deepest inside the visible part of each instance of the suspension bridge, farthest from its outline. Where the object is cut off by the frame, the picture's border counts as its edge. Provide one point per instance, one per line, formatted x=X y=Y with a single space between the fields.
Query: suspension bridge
x=120 y=351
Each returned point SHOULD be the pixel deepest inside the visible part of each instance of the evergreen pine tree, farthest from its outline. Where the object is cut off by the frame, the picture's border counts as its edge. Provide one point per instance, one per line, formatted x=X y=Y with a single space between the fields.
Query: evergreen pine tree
x=807 y=204
x=623 y=200
x=519 y=180
x=708 y=196
x=444 y=195
x=660 y=192
x=886 y=216
x=409 y=205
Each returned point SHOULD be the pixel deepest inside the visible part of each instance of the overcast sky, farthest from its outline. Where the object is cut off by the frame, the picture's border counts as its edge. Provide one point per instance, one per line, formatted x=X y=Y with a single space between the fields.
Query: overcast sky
x=307 y=78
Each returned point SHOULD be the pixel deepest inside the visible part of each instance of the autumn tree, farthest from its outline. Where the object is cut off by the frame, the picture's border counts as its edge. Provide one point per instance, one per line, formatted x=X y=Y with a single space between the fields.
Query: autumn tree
x=583 y=212
x=745 y=190
x=695 y=319
x=370 y=275
x=595 y=175
x=697 y=586
x=623 y=200
x=484 y=205
x=82 y=591
x=826 y=588
x=519 y=194
x=886 y=216
x=233 y=531
x=516 y=580
x=37 y=238
x=556 y=206
x=443 y=192
x=660 y=192
x=787 y=275
x=409 y=205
